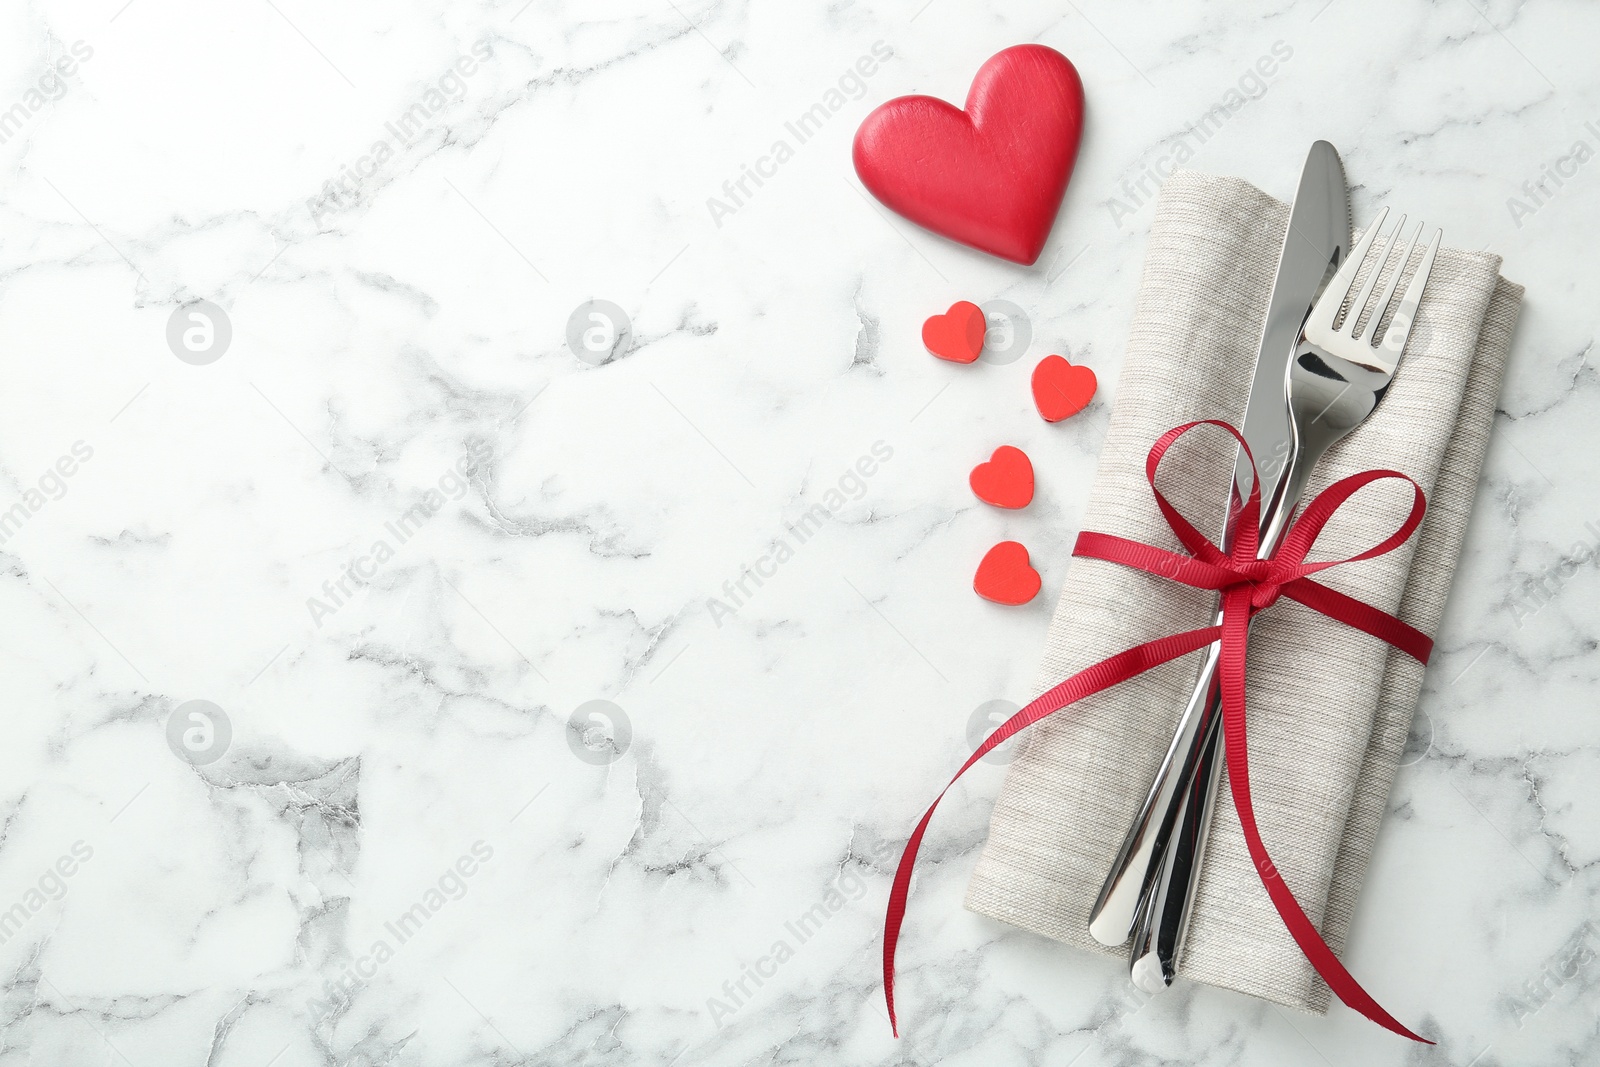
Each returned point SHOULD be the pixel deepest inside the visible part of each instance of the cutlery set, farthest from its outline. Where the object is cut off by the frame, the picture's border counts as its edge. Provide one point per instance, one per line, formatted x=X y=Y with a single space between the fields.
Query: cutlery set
x=1328 y=353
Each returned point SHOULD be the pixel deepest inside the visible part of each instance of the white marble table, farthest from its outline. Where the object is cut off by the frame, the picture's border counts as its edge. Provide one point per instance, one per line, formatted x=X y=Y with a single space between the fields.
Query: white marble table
x=399 y=535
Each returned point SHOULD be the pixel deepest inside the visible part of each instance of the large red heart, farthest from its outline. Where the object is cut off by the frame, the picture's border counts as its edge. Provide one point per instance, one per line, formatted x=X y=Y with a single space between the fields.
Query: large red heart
x=991 y=176
x=1005 y=576
x=1006 y=481
x=1061 y=390
x=957 y=335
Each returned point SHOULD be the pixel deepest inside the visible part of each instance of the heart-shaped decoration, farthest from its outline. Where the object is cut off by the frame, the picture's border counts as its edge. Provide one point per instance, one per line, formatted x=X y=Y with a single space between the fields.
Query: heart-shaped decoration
x=991 y=176
x=1005 y=576
x=1060 y=389
x=957 y=335
x=1006 y=481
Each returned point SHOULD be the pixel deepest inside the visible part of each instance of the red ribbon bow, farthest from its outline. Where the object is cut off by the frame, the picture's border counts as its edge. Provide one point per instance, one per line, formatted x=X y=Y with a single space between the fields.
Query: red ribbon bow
x=1248 y=586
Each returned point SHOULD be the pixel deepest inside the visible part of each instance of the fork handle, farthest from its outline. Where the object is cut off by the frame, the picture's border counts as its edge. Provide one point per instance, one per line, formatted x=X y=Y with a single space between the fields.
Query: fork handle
x=1158 y=938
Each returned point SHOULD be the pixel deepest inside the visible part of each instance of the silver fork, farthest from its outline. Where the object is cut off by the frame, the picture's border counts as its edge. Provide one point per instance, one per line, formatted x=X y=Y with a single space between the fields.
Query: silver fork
x=1338 y=376
x=1335 y=380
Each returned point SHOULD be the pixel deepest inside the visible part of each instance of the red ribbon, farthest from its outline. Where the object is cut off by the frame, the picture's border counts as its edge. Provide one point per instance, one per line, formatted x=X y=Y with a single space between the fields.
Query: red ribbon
x=1248 y=586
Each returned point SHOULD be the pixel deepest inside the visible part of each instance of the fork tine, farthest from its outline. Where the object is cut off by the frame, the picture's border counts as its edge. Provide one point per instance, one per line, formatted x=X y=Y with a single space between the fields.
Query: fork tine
x=1327 y=307
x=1394 y=279
x=1394 y=342
x=1353 y=319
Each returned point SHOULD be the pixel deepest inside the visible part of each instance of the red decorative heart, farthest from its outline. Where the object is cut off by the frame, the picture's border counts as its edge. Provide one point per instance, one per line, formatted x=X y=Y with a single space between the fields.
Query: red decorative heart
x=957 y=335
x=991 y=176
x=1006 y=481
x=1061 y=390
x=1005 y=576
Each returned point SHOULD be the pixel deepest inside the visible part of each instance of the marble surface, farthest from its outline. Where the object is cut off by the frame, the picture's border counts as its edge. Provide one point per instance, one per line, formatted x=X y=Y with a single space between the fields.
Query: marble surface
x=292 y=428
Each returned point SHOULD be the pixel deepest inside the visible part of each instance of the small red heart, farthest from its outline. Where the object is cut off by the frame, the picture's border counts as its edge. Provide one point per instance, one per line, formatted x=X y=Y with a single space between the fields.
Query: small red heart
x=1005 y=576
x=957 y=335
x=1060 y=389
x=991 y=176
x=1006 y=481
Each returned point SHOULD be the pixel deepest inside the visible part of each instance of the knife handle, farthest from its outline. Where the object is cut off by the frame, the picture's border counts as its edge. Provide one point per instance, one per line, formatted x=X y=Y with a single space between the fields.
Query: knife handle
x=1139 y=861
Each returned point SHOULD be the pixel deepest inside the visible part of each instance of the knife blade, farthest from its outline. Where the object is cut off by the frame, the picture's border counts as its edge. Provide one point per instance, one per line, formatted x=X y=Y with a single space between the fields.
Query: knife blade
x=1319 y=231
x=1315 y=241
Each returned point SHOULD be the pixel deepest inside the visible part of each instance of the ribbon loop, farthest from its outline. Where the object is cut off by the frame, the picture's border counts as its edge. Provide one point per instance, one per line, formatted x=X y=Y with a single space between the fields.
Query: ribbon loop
x=1248 y=586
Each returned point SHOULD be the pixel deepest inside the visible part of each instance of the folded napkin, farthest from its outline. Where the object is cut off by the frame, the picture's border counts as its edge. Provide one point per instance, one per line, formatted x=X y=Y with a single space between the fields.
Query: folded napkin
x=1329 y=706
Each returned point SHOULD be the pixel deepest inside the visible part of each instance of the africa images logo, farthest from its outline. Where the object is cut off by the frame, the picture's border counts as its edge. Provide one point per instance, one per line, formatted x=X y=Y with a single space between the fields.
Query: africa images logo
x=360 y=571
x=452 y=884
x=849 y=487
x=417 y=122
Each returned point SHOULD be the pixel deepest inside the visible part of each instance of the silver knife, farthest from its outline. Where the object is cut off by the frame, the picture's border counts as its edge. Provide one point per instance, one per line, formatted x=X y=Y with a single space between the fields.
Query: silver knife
x=1136 y=892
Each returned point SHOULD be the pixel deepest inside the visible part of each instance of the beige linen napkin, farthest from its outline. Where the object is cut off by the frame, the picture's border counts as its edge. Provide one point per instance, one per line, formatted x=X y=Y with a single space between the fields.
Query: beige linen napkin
x=1329 y=706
